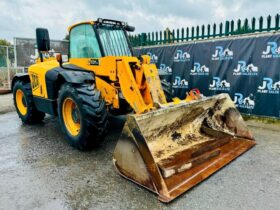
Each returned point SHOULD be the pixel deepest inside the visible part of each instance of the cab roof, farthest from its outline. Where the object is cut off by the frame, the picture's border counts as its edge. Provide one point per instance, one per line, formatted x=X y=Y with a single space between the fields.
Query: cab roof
x=80 y=23
x=99 y=21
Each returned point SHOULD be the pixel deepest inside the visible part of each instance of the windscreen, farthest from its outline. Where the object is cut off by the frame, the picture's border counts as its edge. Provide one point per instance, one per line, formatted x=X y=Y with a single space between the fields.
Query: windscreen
x=114 y=41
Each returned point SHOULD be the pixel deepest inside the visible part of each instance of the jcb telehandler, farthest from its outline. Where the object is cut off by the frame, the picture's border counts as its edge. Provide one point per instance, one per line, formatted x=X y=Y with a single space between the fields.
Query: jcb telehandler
x=166 y=147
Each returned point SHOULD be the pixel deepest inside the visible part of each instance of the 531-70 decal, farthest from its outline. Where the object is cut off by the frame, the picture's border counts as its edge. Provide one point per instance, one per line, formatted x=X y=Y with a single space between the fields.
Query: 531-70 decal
x=94 y=62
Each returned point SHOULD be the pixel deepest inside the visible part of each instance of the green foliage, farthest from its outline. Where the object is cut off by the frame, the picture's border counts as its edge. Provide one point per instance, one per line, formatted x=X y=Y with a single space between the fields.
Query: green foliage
x=243 y=30
x=4 y=42
x=3 y=52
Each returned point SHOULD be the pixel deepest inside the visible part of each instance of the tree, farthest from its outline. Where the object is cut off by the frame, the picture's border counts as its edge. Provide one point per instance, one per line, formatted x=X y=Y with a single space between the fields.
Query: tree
x=3 y=52
x=4 y=42
x=243 y=29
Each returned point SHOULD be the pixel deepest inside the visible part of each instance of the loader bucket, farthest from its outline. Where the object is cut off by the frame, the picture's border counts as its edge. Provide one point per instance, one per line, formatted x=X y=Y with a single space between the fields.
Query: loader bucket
x=170 y=150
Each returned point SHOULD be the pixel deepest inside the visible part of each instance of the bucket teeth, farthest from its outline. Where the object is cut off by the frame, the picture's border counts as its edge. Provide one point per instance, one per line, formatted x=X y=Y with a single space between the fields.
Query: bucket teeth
x=176 y=147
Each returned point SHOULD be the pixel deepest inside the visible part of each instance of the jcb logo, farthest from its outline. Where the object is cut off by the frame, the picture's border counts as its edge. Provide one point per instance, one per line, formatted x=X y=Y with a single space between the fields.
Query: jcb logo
x=34 y=81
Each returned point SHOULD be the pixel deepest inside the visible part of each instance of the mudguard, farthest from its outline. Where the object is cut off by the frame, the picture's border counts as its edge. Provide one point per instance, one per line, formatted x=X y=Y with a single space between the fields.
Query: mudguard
x=73 y=74
x=20 y=76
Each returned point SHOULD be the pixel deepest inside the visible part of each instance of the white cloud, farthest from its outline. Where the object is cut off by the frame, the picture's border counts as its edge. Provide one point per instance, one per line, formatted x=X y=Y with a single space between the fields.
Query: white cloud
x=19 y=18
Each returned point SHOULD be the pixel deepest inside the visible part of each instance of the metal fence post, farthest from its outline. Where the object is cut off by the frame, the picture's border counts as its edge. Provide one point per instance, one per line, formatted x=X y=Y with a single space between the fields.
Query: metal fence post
x=187 y=34
x=227 y=28
x=156 y=38
x=253 y=24
x=246 y=26
x=143 y=39
x=277 y=22
x=232 y=27
x=8 y=67
x=261 y=24
x=268 y=27
x=178 y=35
x=239 y=27
x=202 y=31
x=165 y=36
x=214 y=29
x=197 y=32
x=208 y=31
x=221 y=29
x=15 y=52
x=192 y=33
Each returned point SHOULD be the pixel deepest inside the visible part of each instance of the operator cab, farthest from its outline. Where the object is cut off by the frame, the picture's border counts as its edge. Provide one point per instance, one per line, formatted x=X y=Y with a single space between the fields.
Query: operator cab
x=100 y=38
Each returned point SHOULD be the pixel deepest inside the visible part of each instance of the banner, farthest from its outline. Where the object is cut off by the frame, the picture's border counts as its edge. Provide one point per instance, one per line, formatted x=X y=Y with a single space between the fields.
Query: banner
x=248 y=69
x=26 y=50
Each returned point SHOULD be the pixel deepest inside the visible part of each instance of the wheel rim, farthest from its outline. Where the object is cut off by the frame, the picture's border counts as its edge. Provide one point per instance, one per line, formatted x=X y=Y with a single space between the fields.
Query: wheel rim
x=21 y=102
x=71 y=116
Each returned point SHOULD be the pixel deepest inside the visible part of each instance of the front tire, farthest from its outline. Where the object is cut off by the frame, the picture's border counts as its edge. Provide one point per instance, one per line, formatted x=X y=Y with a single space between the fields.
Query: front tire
x=23 y=101
x=82 y=115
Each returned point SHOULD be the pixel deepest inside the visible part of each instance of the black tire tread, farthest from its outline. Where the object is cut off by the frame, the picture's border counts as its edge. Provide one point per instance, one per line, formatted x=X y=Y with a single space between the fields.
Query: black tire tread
x=33 y=116
x=93 y=109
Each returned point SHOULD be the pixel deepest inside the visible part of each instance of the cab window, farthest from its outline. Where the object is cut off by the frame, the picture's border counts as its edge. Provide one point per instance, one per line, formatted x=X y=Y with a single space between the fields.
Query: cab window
x=114 y=41
x=83 y=42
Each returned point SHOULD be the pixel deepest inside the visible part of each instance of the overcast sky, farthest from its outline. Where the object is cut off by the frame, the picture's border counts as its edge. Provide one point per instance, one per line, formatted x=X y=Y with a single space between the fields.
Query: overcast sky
x=19 y=18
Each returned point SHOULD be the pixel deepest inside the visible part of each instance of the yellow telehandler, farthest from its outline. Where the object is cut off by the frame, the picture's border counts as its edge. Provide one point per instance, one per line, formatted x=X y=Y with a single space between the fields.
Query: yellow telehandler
x=166 y=147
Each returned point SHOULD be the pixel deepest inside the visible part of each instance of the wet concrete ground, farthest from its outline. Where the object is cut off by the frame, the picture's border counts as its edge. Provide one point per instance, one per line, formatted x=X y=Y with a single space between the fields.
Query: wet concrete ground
x=6 y=104
x=39 y=170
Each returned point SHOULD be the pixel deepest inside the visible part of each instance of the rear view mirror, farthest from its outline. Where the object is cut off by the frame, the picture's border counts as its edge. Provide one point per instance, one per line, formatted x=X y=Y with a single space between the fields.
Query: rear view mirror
x=129 y=28
x=43 y=40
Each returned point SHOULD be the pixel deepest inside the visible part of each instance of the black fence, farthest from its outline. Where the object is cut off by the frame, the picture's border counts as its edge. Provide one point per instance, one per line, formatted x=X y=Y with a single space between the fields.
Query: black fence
x=247 y=68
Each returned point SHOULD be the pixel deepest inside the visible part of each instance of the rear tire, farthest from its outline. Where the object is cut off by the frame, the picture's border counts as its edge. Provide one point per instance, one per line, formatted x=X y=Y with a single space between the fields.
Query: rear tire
x=23 y=101
x=82 y=115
